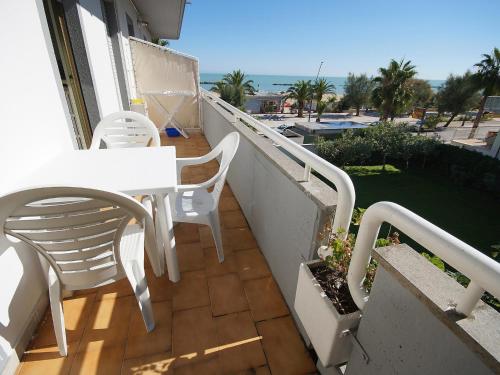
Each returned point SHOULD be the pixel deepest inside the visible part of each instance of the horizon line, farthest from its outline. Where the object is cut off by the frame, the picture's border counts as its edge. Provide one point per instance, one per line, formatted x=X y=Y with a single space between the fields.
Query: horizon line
x=313 y=76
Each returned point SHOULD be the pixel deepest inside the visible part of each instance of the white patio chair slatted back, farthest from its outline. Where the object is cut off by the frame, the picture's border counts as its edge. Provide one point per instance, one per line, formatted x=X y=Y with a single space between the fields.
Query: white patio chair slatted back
x=125 y=129
x=78 y=237
x=194 y=203
x=85 y=237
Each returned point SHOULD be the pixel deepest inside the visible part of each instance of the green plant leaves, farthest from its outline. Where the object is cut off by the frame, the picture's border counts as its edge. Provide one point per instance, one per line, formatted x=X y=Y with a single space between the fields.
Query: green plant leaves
x=435 y=260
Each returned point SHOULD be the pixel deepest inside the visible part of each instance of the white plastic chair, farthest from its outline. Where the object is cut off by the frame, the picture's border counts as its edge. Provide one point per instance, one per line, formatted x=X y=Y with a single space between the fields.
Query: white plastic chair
x=194 y=203
x=125 y=129
x=85 y=237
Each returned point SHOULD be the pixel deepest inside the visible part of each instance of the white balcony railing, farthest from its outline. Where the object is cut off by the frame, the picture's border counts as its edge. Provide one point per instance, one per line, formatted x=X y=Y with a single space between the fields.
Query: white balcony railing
x=343 y=184
x=483 y=271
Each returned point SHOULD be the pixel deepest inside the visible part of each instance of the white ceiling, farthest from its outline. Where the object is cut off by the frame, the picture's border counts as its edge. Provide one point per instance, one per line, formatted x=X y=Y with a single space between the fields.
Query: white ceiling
x=164 y=17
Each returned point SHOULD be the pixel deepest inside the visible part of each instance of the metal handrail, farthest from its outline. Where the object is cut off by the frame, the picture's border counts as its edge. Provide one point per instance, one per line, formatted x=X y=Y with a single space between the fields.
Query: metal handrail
x=483 y=271
x=341 y=180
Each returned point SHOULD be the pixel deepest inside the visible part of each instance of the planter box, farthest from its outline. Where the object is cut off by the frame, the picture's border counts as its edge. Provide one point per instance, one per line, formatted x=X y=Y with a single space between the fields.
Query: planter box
x=321 y=320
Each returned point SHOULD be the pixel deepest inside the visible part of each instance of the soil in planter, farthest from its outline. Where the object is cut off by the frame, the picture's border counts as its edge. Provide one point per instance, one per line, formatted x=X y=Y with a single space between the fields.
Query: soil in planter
x=335 y=287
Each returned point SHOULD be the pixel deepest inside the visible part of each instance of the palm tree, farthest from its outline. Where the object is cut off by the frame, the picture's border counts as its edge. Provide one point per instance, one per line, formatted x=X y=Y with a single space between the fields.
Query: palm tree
x=237 y=79
x=322 y=87
x=300 y=91
x=320 y=108
x=218 y=87
x=392 y=92
x=229 y=93
x=457 y=95
x=358 y=90
x=487 y=78
x=233 y=87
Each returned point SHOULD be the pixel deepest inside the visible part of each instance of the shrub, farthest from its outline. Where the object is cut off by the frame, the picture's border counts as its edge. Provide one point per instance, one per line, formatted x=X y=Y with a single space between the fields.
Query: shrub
x=390 y=142
x=468 y=168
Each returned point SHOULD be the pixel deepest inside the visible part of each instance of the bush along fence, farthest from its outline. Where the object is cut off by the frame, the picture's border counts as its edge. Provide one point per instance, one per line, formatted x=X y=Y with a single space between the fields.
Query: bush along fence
x=395 y=143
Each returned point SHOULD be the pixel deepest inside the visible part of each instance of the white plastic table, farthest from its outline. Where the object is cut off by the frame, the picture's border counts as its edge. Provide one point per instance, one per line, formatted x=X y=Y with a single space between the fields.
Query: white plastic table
x=132 y=171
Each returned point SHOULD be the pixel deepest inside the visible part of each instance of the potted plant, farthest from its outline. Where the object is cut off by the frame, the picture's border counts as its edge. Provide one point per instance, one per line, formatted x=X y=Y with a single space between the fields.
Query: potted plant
x=323 y=302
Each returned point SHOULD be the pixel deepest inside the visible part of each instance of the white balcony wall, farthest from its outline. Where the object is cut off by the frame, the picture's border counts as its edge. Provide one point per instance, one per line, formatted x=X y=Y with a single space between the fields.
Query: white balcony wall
x=284 y=213
x=99 y=56
x=407 y=326
x=34 y=126
x=124 y=8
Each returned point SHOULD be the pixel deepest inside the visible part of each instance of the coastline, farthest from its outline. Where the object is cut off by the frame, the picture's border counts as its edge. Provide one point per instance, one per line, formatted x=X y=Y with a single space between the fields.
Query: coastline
x=274 y=84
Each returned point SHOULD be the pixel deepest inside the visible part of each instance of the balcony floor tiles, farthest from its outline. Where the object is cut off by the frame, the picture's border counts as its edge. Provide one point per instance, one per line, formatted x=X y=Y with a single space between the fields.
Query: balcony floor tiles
x=227 y=318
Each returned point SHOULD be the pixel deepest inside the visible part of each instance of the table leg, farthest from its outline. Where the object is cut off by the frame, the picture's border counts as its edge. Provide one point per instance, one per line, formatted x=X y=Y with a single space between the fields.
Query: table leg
x=167 y=231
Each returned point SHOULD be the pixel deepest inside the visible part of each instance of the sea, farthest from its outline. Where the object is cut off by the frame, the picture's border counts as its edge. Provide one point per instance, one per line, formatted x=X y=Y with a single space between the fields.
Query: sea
x=276 y=83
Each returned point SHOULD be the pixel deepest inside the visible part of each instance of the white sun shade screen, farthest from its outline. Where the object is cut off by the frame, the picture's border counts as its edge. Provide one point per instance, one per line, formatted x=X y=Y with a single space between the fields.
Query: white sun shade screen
x=168 y=79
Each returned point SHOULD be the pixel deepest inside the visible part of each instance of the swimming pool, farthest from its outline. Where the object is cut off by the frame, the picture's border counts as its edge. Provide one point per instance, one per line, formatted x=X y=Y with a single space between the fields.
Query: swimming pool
x=341 y=125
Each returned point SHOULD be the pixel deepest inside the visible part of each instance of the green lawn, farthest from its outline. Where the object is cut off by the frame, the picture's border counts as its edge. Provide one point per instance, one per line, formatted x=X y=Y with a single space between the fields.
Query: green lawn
x=471 y=215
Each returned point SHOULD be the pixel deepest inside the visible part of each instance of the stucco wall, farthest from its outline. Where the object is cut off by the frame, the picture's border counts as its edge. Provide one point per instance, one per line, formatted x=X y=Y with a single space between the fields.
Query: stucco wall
x=124 y=7
x=99 y=56
x=283 y=213
x=35 y=126
x=406 y=329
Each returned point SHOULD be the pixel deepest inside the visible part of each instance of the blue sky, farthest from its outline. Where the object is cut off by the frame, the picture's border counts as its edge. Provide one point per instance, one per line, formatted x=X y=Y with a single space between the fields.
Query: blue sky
x=291 y=37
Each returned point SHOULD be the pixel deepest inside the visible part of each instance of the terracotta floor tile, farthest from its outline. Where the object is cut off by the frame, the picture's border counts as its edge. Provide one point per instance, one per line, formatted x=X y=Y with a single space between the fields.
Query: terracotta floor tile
x=264 y=298
x=121 y=288
x=109 y=322
x=98 y=358
x=160 y=288
x=191 y=291
x=285 y=351
x=212 y=265
x=193 y=334
x=140 y=342
x=206 y=367
x=76 y=315
x=251 y=264
x=196 y=169
x=47 y=361
x=206 y=237
x=149 y=365
x=226 y=294
x=227 y=192
x=264 y=370
x=186 y=233
x=84 y=292
x=203 y=150
x=190 y=256
x=212 y=164
x=198 y=178
x=228 y=204
x=211 y=172
x=238 y=239
x=107 y=334
x=239 y=343
x=233 y=219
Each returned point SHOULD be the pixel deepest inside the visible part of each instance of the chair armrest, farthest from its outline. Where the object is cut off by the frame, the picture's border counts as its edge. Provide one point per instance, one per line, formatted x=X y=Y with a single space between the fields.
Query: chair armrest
x=183 y=162
x=190 y=187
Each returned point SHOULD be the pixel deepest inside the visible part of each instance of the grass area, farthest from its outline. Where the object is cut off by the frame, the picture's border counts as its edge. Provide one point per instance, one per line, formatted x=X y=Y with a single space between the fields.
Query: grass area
x=471 y=215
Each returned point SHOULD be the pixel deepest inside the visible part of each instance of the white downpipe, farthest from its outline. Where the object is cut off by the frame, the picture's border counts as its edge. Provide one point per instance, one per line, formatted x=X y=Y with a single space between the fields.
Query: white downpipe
x=483 y=271
x=341 y=180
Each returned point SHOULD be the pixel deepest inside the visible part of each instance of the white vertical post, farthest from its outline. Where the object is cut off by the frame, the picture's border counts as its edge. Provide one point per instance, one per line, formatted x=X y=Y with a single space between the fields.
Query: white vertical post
x=307 y=172
x=469 y=300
